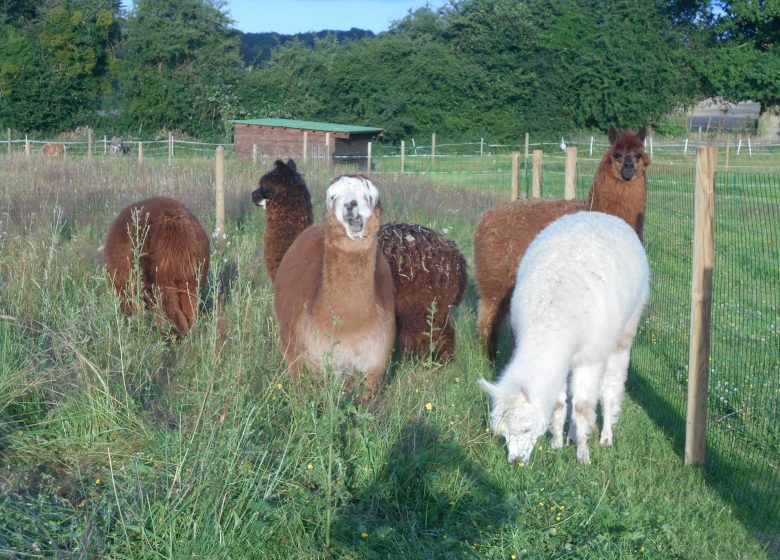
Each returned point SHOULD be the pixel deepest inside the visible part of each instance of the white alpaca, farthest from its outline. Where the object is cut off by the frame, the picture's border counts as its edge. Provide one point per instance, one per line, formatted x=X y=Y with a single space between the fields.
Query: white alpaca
x=579 y=294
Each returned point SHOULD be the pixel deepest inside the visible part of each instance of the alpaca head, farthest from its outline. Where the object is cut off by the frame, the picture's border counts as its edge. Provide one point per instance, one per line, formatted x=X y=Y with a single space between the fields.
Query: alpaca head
x=352 y=200
x=627 y=157
x=515 y=418
x=284 y=177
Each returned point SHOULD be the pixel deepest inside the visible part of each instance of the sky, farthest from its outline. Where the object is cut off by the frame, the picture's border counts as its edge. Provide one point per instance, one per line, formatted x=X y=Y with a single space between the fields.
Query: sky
x=298 y=16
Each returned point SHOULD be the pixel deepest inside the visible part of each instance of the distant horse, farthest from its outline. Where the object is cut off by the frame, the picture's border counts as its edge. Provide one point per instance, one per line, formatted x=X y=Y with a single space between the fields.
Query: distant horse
x=118 y=147
x=54 y=150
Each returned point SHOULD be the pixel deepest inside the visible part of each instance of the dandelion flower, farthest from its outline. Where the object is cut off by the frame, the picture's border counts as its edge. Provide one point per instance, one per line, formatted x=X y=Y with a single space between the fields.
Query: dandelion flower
x=310 y=466
x=98 y=481
x=279 y=386
x=642 y=549
x=428 y=406
x=514 y=557
x=363 y=535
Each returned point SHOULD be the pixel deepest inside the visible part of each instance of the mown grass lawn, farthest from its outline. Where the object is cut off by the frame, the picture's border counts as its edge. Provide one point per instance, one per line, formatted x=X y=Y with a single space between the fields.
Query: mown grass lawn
x=115 y=443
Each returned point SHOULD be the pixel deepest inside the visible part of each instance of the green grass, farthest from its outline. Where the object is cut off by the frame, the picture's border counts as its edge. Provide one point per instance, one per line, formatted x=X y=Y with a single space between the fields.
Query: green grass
x=115 y=443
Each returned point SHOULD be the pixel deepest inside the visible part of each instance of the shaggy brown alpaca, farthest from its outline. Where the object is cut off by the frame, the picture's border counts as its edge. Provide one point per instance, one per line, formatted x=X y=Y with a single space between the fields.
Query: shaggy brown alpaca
x=287 y=202
x=427 y=269
x=173 y=259
x=333 y=295
x=504 y=233
x=428 y=272
x=55 y=150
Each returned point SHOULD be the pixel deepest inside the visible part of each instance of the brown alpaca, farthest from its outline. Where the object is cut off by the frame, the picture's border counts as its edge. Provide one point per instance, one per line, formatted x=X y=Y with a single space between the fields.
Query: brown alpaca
x=54 y=150
x=428 y=272
x=504 y=233
x=333 y=294
x=427 y=269
x=288 y=208
x=173 y=259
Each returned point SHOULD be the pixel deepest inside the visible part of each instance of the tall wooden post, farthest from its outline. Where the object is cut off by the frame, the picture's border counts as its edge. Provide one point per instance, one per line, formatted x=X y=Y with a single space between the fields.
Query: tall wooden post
x=26 y=146
x=254 y=153
x=701 y=307
x=368 y=165
x=140 y=152
x=89 y=144
x=105 y=145
x=305 y=145
x=403 y=156
x=433 y=150
x=327 y=149
x=526 y=146
x=536 y=180
x=9 y=142
x=515 y=174
x=170 y=148
x=219 y=172
x=570 y=174
x=728 y=147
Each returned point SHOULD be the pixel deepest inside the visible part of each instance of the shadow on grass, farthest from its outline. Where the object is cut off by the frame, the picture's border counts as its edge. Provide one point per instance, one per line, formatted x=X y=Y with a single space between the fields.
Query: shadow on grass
x=409 y=509
x=729 y=474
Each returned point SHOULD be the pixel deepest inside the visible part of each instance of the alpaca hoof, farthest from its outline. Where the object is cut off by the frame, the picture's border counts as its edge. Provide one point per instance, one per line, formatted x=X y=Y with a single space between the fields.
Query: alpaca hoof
x=605 y=442
x=583 y=456
x=557 y=442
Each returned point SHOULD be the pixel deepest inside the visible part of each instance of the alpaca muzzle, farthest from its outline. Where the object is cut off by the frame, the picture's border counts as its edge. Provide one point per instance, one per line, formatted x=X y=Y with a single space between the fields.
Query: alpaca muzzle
x=628 y=169
x=352 y=217
x=259 y=197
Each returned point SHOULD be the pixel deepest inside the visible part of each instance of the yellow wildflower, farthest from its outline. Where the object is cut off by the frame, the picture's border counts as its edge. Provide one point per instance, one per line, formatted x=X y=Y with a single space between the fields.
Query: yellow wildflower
x=364 y=535
x=429 y=406
x=310 y=466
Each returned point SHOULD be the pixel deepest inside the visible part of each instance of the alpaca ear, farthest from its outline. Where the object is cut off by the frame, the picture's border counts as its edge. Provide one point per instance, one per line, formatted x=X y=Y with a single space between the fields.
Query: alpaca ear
x=612 y=134
x=490 y=388
x=642 y=133
x=291 y=165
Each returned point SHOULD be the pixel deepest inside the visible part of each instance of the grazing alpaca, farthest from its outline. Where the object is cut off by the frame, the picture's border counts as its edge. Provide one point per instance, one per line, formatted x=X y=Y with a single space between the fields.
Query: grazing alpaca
x=428 y=270
x=429 y=276
x=173 y=259
x=333 y=294
x=504 y=233
x=579 y=295
x=54 y=150
x=284 y=195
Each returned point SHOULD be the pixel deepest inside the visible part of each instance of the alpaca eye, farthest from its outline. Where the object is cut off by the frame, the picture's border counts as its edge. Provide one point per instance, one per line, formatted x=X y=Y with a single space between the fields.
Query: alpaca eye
x=617 y=155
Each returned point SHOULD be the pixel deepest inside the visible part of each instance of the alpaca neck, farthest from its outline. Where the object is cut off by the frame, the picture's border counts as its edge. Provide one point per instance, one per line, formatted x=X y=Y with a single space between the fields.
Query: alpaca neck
x=348 y=276
x=623 y=199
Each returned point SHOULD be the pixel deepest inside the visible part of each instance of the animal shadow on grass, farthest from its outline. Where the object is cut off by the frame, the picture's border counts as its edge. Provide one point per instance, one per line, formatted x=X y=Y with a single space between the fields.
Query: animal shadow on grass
x=408 y=508
x=733 y=478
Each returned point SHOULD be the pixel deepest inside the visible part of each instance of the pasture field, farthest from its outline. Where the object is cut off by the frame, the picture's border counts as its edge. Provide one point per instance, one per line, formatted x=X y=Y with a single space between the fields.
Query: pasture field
x=115 y=443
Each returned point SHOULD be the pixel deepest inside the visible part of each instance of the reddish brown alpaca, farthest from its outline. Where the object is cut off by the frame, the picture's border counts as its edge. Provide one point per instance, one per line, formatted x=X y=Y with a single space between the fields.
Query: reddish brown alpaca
x=54 y=150
x=428 y=270
x=173 y=259
x=288 y=208
x=504 y=233
x=333 y=295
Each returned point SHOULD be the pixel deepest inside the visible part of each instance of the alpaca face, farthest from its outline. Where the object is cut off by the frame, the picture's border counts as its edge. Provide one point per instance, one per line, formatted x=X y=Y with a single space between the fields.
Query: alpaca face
x=627 y=155
x=516 y=419
x=282 y=177
x=352 y=199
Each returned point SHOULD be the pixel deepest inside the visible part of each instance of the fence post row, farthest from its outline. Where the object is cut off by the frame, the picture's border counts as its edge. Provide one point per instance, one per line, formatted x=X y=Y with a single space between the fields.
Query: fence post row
x=701 y=307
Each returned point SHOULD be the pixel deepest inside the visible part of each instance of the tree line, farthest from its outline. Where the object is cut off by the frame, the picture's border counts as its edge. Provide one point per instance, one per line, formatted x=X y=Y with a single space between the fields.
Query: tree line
x=473 y=67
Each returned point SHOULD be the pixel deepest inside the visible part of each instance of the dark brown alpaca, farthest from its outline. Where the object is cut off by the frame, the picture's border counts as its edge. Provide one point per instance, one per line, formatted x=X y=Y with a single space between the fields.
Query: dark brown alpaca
x=427 y=268
x=173 y=259
x=288 y=208
x=333 y=295
x=504 y=233
x=429 y=274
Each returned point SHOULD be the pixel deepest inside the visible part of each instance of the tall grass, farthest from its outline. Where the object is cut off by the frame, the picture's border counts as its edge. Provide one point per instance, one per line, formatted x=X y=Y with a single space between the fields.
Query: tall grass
x=117 y=443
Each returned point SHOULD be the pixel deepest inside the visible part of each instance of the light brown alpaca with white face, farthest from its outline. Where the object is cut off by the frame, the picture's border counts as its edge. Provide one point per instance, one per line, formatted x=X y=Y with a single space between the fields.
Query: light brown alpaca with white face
x=505 y=232
x=334 y=292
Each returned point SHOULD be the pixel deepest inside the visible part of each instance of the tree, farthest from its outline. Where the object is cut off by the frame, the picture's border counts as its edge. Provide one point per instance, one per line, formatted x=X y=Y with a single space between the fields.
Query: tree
x=179 y=67
x=742 y=60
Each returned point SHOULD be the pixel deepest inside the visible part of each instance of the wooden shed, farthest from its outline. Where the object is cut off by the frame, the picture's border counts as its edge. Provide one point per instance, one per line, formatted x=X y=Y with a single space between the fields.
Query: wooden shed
x=269 y=139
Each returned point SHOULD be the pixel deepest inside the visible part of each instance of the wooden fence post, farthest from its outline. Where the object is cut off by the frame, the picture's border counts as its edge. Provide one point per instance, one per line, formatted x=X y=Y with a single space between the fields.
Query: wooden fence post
x=368 y=166
x=219 y=171
x=515 y=174
x=105 y=145
x=9 y=142
x=327 y=149
x=433 y=150
x=170 y=148
x=526 y=148
x=403 y=155
x=89 y=144
x=26 y=146
x=701 y=306
x=305 y=145
x=536 y=180
x=570 y=174
x=140 y=152
x=254 y=153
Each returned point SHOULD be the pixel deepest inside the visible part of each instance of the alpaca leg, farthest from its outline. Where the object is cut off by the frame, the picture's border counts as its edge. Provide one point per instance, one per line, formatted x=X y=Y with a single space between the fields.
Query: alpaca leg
x=445 y=345
x=490 y=315
x=558 y=419
x=613 y=392
x=585 y=384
